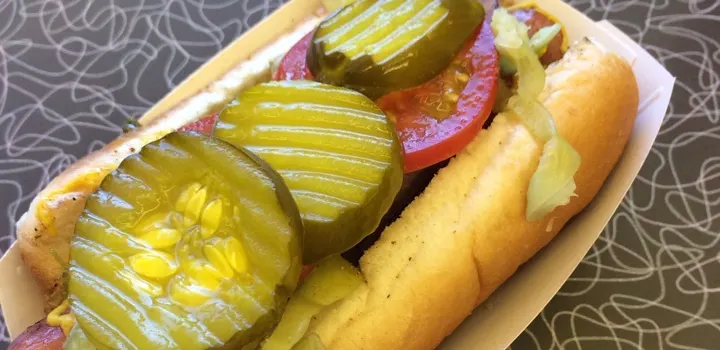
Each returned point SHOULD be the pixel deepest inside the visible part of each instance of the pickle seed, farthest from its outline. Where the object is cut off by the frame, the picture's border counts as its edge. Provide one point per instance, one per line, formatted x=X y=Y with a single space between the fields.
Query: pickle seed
x=139 y=284
x=210 y=270
x=154 y=264
x=176 y=221
x=151 y=222
x=462 y=77
x=185 y=196
x=194 y=206
x=162 y=238
x=218 y=261
x=235 y=254
x=187 y=294
x=451 y=96
x=210 y=220
x=203 y=276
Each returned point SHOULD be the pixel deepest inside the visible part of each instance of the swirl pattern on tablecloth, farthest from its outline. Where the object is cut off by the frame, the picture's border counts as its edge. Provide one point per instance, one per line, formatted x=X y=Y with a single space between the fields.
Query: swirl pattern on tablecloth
x=72 y=71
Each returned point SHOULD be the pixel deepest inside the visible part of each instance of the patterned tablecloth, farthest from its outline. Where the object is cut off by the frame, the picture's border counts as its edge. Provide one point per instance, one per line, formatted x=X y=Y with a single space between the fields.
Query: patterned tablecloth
x=72 y=71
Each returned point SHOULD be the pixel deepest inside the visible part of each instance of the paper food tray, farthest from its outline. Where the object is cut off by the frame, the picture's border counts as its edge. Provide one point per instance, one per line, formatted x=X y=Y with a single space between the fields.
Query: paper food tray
x=498 y=321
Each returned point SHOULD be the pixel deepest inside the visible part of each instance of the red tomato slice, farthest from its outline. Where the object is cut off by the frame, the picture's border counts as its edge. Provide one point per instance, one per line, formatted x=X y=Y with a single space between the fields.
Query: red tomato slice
x=294 y=65
x=306 y=270
x=438 y=119
x=203 y=125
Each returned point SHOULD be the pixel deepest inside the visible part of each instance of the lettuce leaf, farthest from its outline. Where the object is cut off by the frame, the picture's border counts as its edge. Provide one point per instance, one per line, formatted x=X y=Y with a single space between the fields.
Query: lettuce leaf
x=552 y=184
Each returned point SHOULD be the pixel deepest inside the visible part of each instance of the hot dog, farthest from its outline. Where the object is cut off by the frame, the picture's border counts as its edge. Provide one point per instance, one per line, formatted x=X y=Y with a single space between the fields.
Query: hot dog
x=467 y=231
x=39 y=336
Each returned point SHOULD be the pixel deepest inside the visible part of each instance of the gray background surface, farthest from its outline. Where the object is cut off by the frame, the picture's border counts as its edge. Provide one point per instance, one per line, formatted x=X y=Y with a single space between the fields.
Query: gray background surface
x=72 y=71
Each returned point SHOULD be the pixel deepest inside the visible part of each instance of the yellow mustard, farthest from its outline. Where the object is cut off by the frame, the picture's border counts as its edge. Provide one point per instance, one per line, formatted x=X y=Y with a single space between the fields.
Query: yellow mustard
x=58 y=317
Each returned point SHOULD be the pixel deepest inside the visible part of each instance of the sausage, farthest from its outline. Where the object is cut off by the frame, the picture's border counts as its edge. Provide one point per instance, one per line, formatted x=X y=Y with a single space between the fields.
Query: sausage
x=40 y=336
x=536 y=20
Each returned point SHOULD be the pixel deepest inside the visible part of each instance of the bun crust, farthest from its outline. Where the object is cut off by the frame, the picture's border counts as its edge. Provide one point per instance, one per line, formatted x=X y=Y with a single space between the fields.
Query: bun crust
x=452 y=246
x=467 y=233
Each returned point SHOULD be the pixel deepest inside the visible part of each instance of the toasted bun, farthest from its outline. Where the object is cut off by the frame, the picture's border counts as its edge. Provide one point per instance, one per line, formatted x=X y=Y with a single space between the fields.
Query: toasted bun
x=467 y=233
x=451 y=248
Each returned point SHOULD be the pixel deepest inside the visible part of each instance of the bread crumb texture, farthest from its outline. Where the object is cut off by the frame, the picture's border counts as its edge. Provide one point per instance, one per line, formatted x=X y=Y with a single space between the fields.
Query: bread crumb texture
x=467 y=233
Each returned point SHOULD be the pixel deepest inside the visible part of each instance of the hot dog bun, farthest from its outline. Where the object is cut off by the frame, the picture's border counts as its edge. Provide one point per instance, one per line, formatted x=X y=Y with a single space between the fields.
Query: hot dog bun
x=466 y=234
x=452 y=247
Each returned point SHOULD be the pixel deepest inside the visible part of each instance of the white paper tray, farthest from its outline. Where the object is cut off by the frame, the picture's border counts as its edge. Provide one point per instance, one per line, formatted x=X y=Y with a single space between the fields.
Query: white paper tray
x=496 y=323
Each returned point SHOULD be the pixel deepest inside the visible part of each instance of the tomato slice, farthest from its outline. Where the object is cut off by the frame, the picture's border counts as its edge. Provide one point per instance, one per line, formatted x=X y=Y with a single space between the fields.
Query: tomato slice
x=438 y=119
x=435 y=120
x=306 y=270
x=294 y=65
x=203 y=125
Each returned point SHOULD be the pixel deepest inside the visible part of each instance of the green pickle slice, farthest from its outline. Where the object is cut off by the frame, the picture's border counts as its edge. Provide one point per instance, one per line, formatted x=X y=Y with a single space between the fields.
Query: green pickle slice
x=331 y=281
x=190 y=244
x=377 y=47
x=77 y=340
x=336 y=150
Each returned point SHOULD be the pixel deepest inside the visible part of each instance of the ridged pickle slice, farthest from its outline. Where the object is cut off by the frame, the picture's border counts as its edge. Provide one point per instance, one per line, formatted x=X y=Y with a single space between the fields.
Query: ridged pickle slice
x=77 y=340
x=190 y=244
x=336 y=150
x=380 y=46
x=332 y=280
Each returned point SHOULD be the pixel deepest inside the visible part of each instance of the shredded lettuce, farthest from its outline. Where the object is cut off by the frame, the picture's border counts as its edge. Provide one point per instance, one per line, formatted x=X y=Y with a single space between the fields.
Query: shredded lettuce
x=539 y=44
x=542 y=38
x=534 y=116
x=512 y=42
x=552 y=184
x=509 y=32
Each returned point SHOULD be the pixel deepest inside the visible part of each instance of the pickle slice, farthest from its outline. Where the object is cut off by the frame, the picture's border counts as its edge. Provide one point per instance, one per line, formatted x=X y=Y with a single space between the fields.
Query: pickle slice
x=77 y=340
x=190 y=244
x=377 y=47
x=309 y=342
x=336 y=150
x=332 y=280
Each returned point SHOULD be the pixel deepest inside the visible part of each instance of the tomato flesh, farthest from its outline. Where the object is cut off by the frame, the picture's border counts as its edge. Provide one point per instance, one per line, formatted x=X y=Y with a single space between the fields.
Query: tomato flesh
x=437 y=119
x=306 y=270
x=294 y=65
x=203 y=125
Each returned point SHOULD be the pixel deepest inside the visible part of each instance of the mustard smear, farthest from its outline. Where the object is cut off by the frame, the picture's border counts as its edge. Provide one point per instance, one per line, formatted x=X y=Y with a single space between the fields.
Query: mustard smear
x=58 y=318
